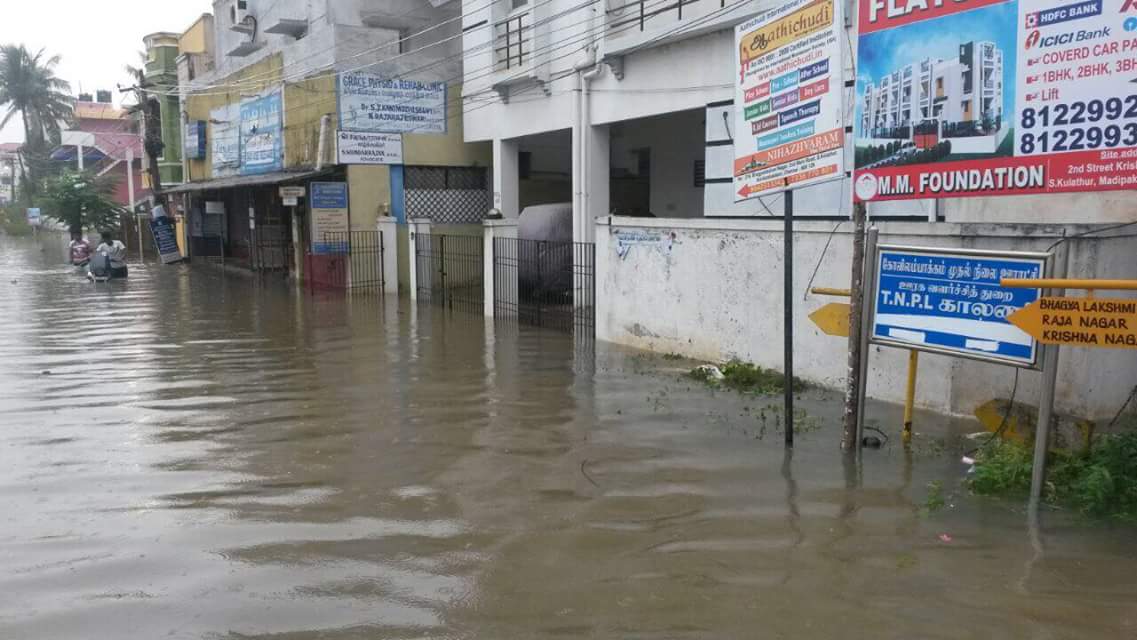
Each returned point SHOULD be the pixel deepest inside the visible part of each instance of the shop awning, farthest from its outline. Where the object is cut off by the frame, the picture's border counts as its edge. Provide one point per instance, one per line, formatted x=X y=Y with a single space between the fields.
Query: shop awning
x=247 y=181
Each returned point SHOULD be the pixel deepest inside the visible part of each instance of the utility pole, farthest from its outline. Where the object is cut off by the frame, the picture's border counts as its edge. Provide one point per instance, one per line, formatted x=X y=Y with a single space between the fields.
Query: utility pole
x=856 y=304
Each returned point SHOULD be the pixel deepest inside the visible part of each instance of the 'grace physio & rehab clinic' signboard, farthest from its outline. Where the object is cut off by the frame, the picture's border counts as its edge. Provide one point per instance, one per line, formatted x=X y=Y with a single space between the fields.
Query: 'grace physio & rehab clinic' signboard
x=787 y=99
x=995 y=97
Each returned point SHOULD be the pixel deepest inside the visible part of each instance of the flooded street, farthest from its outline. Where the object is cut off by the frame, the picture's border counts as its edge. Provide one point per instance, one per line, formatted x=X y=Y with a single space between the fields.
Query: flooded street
x=191 y=454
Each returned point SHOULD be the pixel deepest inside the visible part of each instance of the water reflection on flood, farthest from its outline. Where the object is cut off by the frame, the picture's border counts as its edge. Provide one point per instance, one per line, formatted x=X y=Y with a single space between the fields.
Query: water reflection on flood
x=197 y=455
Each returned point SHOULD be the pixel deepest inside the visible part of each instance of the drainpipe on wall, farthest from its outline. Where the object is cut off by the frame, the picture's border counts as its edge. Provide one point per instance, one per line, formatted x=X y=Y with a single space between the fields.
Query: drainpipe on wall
x=580 y=227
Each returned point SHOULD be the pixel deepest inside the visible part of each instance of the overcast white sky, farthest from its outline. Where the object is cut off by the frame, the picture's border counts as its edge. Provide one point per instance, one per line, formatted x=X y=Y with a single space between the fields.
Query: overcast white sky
x=96 y=38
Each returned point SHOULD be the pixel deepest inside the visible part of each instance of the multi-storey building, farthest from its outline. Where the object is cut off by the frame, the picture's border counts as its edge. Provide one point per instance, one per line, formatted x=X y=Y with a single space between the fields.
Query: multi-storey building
x=959 y=95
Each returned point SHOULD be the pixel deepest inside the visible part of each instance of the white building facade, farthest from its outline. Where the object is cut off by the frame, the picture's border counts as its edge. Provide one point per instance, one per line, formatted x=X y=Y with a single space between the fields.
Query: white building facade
x=624 y=108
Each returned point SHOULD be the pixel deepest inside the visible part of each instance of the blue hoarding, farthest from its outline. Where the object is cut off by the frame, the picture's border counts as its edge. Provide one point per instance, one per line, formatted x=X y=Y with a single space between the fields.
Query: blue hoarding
x=951 y=301
x=262 y=139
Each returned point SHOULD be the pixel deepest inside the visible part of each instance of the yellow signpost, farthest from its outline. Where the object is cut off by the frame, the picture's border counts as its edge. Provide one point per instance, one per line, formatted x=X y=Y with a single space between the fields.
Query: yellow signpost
x=832 y=319
x=1080 y=322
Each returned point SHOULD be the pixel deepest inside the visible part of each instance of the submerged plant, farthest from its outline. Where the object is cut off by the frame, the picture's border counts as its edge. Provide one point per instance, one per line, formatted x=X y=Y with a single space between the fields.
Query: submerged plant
x=1099 y=483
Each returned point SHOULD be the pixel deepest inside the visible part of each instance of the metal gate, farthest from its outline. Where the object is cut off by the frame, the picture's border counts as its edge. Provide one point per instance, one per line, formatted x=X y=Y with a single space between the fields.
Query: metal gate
x=449 y=271
x=352 y=261
x=270 y=248
x=546 y=284
x=447 y=195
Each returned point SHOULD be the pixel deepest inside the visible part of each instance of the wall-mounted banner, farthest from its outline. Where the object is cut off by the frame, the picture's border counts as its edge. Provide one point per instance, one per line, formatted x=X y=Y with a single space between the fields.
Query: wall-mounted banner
x=262 y=137
x=225 y=140
x=329 y=214
x=951 y=301
x=995 y=97
x=357 y=147
x=194 y=146
x=787 y=96
x=368 y=102
x=165 y=239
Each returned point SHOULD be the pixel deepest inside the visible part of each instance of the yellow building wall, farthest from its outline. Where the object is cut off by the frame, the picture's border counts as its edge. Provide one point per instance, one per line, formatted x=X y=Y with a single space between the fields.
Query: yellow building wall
x=250 y=80
x=369 y=194
x=449 y=149
x=193 y=40
x=305 y=103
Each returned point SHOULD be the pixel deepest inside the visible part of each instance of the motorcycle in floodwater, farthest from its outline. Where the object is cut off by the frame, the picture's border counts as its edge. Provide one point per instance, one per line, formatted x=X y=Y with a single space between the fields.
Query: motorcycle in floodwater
x=99 y=269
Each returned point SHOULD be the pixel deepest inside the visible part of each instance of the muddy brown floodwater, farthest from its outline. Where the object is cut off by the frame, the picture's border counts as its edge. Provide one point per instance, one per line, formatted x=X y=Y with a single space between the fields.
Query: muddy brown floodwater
x=195 y=455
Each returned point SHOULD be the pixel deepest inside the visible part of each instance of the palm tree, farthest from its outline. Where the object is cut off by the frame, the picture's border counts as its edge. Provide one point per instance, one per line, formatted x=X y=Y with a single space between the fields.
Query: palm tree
x=147 y=104
x=28 y=86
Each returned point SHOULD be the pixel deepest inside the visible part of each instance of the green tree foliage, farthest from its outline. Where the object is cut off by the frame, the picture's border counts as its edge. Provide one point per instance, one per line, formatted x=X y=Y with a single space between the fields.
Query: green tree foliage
x=80 y=201
x=30 y=88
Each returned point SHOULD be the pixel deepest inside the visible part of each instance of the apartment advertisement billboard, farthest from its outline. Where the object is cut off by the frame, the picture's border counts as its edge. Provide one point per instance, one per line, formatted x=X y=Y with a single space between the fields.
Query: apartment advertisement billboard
x=995 y=97
x=368 y=102
x=788 y=96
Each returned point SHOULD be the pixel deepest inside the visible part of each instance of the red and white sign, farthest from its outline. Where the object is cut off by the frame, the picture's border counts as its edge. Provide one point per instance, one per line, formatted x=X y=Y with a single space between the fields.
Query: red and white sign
x=1021 y=97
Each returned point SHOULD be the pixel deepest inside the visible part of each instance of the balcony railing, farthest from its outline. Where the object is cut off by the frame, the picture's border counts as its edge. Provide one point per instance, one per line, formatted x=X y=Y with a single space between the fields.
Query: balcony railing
x=634 y=15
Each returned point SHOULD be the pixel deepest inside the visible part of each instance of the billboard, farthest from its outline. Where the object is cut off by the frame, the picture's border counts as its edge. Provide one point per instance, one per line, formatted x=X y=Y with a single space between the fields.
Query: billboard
x=262 y=135
x=225 y=140
x=194 y=147
x=368 y=102
x=951 y=301
x=788 y=96
x=995 y=97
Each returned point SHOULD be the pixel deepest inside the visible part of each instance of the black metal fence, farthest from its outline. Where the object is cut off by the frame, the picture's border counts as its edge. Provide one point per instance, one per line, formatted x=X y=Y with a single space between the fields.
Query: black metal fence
x=449 y=271
x=447 y=195
x=348 y=260
x=547 y=284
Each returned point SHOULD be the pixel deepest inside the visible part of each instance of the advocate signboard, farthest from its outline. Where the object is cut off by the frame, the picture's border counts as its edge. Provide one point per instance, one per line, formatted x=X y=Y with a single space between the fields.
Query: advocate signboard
x=194 y=147
x=787 y=98
x=359 y=147
x=951 y=301
x=262 y=134
x=995 y=97
x=368 y=102
x=165 y=239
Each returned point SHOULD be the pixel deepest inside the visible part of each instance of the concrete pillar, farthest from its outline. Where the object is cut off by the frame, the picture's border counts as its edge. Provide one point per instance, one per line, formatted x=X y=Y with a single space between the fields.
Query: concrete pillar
x=418 y=226
x=506 y=192
x=389 y=229
x=598 y=173
x=495 y=229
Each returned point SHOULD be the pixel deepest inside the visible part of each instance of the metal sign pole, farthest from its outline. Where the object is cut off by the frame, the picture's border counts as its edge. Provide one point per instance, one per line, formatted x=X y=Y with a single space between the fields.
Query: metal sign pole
x=868 y=308
x=788 y=320
x=1046 y=399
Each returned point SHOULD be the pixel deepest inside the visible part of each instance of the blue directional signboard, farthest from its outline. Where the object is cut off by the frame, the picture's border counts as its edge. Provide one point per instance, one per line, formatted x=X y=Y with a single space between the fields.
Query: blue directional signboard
x=950 y=301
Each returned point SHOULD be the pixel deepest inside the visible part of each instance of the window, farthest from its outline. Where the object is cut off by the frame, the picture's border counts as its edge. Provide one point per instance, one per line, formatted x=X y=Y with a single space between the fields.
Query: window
x=700 y=174
x=517 y=4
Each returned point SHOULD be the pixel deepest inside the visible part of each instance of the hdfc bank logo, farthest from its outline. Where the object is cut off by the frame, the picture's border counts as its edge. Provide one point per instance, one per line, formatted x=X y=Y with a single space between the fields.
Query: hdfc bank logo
x=1032 y=20
x=1032 y=39
x=865 y=186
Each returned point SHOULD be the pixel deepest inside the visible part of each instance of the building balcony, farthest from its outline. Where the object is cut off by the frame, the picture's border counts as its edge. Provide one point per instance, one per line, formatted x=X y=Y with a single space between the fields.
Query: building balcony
x=632 y=24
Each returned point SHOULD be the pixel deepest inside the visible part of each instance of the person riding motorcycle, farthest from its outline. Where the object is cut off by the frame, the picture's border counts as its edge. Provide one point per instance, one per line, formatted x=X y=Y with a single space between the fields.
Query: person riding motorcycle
x=115 y=251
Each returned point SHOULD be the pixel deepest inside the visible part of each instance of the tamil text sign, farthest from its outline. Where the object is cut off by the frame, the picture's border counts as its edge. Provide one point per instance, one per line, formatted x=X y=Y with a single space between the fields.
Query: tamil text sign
x=995 y=97
x=328 y=201
x=787 y=99
x=951 y=301
x=368 y=102
x=262 y=138
x=360 y=147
